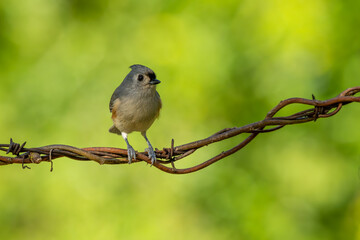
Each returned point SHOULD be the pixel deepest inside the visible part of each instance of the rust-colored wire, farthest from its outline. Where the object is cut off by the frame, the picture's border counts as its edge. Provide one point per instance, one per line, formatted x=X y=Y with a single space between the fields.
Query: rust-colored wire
x=107 y=155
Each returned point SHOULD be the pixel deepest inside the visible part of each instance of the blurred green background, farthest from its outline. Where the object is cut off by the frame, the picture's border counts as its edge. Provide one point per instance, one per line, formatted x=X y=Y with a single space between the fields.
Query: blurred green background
x=222 y=64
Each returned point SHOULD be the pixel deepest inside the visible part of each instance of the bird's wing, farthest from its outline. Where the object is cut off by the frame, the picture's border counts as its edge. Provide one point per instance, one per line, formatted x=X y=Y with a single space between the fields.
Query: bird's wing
x=115 y=96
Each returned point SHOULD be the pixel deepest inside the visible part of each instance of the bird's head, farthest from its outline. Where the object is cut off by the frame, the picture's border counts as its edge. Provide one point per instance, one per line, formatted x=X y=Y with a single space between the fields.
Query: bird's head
x=142 y=77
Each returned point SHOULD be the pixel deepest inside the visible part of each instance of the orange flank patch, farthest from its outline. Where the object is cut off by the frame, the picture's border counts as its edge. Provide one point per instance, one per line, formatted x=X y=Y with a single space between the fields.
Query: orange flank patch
x=113 y=113
x=115 y=107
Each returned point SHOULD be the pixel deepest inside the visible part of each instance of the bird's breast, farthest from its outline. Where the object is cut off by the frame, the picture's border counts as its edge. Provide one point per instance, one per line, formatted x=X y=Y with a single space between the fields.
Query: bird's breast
x=136 y=113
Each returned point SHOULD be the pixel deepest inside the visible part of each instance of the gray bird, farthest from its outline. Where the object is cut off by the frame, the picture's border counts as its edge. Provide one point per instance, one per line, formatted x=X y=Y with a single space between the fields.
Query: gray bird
x=135 y=105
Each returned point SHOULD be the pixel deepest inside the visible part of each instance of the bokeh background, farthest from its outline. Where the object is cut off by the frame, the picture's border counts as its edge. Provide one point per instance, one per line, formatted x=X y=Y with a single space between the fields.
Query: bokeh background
x=222 y=64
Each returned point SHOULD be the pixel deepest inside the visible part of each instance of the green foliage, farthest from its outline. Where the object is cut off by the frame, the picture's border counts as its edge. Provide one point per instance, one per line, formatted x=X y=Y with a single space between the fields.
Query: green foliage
x=222 y=64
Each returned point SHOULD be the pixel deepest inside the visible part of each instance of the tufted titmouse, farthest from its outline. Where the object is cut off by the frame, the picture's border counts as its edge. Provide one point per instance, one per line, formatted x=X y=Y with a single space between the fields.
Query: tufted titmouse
x=135 y=105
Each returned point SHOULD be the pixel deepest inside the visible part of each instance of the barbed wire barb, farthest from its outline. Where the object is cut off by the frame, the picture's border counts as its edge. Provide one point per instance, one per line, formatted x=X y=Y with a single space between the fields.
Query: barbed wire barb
x=108 y=155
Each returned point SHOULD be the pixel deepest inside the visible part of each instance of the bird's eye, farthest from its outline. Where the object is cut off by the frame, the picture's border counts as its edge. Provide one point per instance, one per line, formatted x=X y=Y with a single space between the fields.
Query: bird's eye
x=140 y=77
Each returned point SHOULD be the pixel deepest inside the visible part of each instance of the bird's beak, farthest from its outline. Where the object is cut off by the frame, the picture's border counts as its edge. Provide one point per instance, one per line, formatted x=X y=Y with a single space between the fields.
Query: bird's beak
x=154 y=82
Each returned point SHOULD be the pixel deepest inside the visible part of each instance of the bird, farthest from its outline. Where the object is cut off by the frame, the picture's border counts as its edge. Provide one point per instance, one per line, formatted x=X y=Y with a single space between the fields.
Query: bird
x=135 y=104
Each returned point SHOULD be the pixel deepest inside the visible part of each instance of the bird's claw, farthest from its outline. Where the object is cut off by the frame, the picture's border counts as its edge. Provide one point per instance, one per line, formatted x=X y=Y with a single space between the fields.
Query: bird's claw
x=152 y=155
x=131 y=154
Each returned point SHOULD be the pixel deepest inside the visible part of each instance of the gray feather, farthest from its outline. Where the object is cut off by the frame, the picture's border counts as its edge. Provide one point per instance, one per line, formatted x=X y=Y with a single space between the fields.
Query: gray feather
x=121 y=90
x=113 y=129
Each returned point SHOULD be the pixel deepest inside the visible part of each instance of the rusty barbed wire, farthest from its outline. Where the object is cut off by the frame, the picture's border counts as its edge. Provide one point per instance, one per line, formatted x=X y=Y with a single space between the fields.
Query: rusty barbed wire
x=107 y=155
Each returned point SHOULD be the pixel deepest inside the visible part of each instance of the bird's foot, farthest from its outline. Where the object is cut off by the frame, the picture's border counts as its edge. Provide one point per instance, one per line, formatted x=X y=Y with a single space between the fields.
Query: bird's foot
x=152 y=154
x=131 y=153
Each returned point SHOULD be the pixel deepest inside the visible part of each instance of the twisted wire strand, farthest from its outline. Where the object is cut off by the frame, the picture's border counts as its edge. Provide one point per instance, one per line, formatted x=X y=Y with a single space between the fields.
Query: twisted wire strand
x=172 y=154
